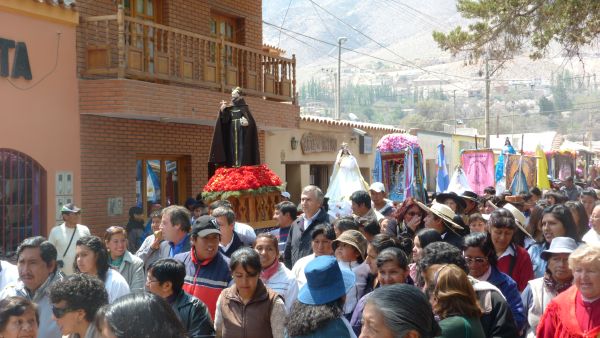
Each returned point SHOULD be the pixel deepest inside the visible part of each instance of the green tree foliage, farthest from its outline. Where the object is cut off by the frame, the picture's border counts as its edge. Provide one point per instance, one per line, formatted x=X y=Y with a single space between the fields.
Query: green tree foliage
x=546 y=106
x=505 y=28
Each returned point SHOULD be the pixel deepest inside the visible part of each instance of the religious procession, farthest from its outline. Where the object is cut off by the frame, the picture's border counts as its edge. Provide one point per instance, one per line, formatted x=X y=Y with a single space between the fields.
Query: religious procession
x=296 y=169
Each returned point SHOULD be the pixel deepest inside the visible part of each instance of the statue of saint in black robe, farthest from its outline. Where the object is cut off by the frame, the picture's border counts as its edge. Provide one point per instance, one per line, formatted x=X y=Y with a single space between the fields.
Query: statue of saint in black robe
x=235 y=139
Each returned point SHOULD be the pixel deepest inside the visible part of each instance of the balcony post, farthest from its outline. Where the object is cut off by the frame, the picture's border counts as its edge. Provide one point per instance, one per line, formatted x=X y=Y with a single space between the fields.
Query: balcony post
x=294 y=93
x=121 y=41
x=222 y=70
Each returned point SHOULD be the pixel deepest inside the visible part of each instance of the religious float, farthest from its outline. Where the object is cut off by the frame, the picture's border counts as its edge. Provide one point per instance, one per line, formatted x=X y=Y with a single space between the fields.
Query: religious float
x=399 y=166
x=253 y=192
x=234 y=162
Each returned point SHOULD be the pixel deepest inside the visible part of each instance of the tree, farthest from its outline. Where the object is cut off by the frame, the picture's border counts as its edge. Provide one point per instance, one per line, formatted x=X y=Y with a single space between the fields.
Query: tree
x=504 y=28
x=546 y=106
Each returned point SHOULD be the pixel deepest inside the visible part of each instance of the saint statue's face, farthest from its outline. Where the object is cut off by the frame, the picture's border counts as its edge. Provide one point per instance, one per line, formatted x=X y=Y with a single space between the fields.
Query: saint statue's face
x=235 y=93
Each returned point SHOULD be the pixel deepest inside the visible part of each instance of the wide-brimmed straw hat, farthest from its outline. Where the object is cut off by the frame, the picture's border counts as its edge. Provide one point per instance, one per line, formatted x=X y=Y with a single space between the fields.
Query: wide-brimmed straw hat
x=444 y=212
x=453 y=196
x=520 y=218
x=471 y=196
x=325 y=281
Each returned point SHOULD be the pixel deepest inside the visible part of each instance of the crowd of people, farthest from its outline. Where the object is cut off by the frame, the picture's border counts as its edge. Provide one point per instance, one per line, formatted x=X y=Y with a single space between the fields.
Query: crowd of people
x=464 y=265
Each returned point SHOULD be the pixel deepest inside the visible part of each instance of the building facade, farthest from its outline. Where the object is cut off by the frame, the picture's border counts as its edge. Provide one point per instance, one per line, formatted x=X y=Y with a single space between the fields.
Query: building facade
x=152 y=76
x=306 y=155
x=39 y=134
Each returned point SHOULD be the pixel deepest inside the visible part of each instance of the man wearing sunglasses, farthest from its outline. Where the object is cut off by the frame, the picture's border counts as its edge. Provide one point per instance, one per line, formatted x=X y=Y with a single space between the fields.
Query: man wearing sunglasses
x=36 y=262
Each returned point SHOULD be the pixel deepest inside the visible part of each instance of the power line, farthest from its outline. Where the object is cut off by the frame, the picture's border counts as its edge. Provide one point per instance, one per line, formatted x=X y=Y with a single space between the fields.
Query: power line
x=283 y=21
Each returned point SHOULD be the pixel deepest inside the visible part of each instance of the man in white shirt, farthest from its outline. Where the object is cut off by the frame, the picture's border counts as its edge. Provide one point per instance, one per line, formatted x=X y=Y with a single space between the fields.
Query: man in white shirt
x=8 y=274
x=593 y=235
x=64 y=236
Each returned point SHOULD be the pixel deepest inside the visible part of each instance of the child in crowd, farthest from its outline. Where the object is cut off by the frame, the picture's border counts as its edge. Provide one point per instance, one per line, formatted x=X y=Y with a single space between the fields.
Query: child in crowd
x=477 y=223
x=350 y=250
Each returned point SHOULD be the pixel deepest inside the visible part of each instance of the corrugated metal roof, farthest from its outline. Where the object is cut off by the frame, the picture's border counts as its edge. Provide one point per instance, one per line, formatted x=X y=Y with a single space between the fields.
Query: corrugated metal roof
x=351 y=124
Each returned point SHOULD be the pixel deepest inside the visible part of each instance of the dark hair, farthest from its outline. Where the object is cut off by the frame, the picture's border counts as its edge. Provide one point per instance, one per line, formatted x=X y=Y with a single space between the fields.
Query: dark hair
x=536 y=191
x=268 y=236
x=80 y=292
x=428 y=236
x=392 y=255
x=370 y=226
x=405 y=308
x=169 y=270
x=47 y=249
x=287 y=208
x=114 y=230
x=323 y=229
x=442 y=253
x=476 y=217
x=135 y=211
x=15 y=306
x=590 y=193
x=489 y=190
x=140 y=315
x=305 y=319
x=227 y=212
x=535 y=218
x=381 y=242
x=361 y=197
x=482 y=241
x=248 y=258
x=179 y=215
x=502 y=218
x=558 y=197
x=577 y=207
x=345 y=223
x=563 y=214
x=96 y=245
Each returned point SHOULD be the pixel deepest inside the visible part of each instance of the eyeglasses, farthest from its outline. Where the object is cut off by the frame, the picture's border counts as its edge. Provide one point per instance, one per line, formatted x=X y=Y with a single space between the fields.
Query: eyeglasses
x=478 y=260
x=60 y=312
x=413 y=213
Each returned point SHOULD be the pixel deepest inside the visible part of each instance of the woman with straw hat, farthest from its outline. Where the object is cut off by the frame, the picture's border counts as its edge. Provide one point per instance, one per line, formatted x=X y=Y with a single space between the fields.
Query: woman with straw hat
x=440 y=217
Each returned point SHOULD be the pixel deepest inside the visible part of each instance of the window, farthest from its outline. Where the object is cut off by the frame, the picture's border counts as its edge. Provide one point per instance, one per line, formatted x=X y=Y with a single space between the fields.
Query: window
x=22 y=199
x=160 y=180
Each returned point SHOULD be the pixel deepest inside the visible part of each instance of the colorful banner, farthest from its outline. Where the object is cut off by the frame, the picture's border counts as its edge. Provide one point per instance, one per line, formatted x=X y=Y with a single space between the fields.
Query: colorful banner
x=478 y=166
x=443 y=180
x=529 y=168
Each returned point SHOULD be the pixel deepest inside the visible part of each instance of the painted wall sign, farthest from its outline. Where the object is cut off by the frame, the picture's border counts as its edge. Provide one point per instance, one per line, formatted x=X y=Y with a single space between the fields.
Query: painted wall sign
x=316 y=143
x=20 y=66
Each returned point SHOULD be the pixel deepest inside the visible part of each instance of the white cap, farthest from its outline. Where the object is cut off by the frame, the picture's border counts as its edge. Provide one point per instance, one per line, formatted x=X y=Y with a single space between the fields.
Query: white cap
x=377 y=187
x=286 y=194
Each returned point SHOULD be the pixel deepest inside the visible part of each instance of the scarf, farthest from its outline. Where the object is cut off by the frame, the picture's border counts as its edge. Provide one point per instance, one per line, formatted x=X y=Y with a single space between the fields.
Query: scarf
x=555 y=286
x=267 y=273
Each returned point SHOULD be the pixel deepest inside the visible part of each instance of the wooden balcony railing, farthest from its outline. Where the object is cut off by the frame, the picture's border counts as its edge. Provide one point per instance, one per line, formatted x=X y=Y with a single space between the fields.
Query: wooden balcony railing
x=125 y=47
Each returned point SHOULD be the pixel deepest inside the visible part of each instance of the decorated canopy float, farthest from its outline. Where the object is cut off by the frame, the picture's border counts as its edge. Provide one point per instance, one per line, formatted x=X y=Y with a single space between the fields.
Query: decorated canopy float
x=252 y=191
x=399 y=166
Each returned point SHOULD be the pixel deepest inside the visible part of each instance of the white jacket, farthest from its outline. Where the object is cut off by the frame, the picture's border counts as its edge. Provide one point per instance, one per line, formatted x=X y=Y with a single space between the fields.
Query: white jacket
x=284 y=283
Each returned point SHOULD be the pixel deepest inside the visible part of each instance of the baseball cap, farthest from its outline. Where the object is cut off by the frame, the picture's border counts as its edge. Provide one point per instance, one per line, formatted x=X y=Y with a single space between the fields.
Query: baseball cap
x=377 y=187
x=205 y=225
x=286 y=194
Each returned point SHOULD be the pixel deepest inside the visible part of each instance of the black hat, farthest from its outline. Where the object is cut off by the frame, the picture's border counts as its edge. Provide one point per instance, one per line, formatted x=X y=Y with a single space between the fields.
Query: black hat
x=471 y=196
x=205 y=225
x=453 y=196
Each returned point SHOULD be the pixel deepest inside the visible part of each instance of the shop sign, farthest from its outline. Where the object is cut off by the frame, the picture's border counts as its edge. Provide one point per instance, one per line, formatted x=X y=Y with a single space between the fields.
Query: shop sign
x=318 y=143
x=20 y=66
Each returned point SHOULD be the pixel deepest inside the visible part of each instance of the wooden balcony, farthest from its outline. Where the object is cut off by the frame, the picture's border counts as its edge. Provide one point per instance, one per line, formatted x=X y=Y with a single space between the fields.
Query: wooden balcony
x=119 y=46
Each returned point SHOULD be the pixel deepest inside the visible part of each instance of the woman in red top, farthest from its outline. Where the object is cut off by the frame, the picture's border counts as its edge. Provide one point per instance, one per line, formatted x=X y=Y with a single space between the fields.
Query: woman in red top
x=576 y=311
x=513 y=259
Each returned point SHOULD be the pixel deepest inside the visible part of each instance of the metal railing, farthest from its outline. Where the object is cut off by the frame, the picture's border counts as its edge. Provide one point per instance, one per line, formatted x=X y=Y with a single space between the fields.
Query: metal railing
x=125 y=47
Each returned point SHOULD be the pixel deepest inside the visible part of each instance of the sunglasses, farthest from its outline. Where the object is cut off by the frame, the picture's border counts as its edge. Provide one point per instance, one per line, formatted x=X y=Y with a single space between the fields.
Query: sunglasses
x=413 y=213
x=60 y=312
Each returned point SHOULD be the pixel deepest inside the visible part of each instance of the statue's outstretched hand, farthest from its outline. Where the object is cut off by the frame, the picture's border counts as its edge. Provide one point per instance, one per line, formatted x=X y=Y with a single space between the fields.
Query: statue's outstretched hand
x=223 y=105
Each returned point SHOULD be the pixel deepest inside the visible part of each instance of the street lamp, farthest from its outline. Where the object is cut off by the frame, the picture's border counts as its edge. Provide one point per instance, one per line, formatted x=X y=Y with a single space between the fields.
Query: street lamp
x=339 y=78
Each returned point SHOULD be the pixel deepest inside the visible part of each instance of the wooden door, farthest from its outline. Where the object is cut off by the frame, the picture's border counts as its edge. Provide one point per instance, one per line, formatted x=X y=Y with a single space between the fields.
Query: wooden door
x=225 y=28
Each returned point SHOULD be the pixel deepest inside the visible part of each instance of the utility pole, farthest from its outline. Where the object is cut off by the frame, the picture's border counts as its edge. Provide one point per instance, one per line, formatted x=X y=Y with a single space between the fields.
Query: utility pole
x=487 y=102
x=339 y=78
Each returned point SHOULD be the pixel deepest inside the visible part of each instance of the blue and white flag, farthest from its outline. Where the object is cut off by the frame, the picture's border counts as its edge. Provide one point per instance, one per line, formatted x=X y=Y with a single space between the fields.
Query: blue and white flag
x=152 y=185
x=442 y=173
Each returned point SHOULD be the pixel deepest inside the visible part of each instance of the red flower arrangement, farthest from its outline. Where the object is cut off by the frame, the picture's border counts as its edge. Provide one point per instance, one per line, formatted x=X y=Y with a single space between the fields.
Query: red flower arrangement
x=242 y=178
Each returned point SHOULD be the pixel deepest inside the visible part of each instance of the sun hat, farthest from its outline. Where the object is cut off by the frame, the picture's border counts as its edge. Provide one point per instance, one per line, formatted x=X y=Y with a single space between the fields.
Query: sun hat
x=69 y=208
x=471 y=196
x=377 y=187
x=354 y=238
x=325 y=281
x=520 y=219
x=453 y=196
x=559 y=245
x=205 y=225
x=443 y=211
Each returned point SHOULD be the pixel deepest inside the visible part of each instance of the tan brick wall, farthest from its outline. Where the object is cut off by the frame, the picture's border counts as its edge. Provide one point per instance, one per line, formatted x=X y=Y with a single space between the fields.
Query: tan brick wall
x=108 y=161
x=145 y=99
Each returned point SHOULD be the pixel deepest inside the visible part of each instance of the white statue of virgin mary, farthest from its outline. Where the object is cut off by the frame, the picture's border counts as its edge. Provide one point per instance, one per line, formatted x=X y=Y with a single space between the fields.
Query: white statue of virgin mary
x=345 y=180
